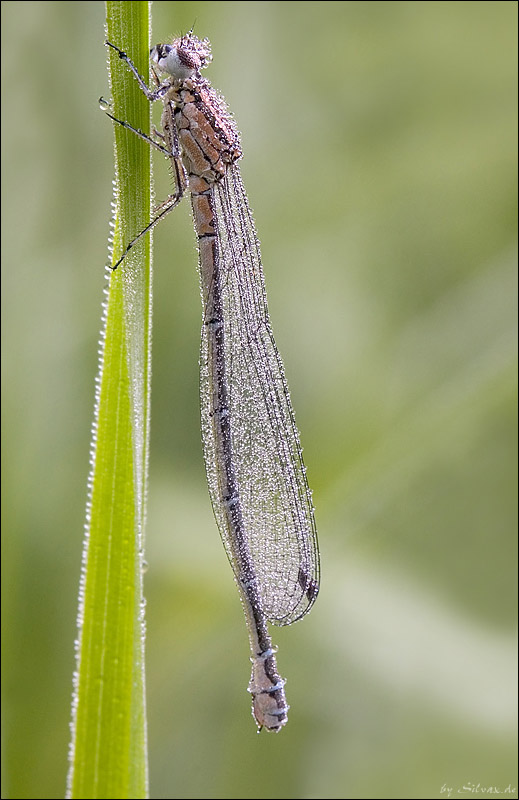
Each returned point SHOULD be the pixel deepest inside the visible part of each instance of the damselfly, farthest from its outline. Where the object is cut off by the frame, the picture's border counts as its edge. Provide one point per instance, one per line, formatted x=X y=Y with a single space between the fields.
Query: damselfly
x=257 y=481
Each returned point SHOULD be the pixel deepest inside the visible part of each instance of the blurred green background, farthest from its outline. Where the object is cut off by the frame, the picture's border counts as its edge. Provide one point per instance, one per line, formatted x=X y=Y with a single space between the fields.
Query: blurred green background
x=380 y=162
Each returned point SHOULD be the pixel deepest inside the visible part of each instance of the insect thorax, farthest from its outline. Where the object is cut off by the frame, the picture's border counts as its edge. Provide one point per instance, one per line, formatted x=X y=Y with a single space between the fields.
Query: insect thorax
x=207 y=133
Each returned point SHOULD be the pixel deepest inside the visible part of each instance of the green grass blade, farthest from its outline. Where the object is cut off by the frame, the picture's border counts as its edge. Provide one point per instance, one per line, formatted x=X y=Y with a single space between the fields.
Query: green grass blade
x=108 y=752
